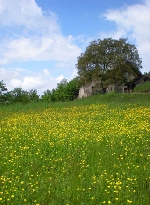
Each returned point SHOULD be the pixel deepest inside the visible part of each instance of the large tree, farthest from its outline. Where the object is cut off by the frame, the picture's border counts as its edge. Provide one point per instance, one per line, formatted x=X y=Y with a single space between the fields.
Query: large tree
x=108 y=61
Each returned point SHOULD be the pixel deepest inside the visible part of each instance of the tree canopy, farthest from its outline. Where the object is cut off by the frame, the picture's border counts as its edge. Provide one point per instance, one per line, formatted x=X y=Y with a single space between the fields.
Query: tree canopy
x=108 y=61
x=2 y=87
x=17 y=95
x=65 y=91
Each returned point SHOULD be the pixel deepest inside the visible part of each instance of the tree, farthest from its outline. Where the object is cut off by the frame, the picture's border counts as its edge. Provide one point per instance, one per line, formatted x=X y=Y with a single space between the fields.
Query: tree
x=65 y=91
x=3 y=94
x=72 y=89
x=46 y=95
x=147 y=73
x=33 y=96
x=60 y=91
x=108 y=61
x=20 y=95
x=2 y=87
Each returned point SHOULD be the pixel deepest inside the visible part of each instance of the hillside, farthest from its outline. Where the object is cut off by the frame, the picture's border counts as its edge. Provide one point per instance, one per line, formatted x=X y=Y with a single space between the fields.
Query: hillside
x=89 y=151
x=111 y=99
x=145 y=87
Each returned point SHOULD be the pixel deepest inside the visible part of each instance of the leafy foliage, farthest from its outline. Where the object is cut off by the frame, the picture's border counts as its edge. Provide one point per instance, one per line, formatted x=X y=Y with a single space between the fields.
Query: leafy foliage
x=65 y=91
x=2 y=87
x=33 y=96
x=108 y=61
x=3 y=94
x=17 y=95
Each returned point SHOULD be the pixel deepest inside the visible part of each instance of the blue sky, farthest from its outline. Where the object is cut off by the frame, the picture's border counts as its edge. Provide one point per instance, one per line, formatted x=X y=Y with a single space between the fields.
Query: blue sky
x=41 y=39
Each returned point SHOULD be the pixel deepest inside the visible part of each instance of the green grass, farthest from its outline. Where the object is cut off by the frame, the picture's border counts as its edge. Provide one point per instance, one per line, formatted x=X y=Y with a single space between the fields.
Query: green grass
x=111 y=99
x=145 y=87
x=89 y=151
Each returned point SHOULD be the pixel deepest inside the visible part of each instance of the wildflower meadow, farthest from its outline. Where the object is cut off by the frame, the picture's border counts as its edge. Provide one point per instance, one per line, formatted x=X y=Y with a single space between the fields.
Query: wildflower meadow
x=82 y=154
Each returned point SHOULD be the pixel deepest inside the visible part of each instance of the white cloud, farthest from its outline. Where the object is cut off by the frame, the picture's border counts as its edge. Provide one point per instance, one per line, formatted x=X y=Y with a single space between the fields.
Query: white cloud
x=56 y=48
x=33 y=34
x=8 y=74
x=27 y=14
x=132 y=22
x=60 y=78
x=29 y=80
x=46 y=72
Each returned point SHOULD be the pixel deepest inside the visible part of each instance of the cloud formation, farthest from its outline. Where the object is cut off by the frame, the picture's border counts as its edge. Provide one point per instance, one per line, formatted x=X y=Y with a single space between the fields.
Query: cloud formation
x=29 y=80
x=28 y=15
x=132 y=22
x=35 y=35
x=30 y=34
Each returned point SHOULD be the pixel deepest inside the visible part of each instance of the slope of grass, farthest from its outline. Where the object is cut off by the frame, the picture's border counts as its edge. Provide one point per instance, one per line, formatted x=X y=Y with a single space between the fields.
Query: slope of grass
x=90 y=151
x=111 y=99
x=145 y=87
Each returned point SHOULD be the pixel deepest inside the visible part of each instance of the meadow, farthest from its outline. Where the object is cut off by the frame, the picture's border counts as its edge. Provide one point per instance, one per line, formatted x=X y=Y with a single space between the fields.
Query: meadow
x=92 y=151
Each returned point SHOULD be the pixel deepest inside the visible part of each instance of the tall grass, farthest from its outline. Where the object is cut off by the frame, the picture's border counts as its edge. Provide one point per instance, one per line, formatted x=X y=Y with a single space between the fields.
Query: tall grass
x=90 y=151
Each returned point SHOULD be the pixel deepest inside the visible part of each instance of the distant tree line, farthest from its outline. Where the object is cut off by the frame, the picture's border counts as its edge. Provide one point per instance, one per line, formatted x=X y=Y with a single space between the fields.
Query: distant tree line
x=17 y=95
x=65 y=91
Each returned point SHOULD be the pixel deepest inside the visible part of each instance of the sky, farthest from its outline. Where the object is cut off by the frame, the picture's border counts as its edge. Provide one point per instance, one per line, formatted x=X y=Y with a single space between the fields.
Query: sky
x=40 y=40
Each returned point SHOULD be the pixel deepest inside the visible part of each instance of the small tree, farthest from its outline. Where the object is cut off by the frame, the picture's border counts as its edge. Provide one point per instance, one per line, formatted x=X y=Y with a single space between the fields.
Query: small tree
x=47 y=95
x=65 y=91
x=60 y=91
x=20 y=95
x=2 y=87
x=3 y=94
x=72 y=89
x=33 y=96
